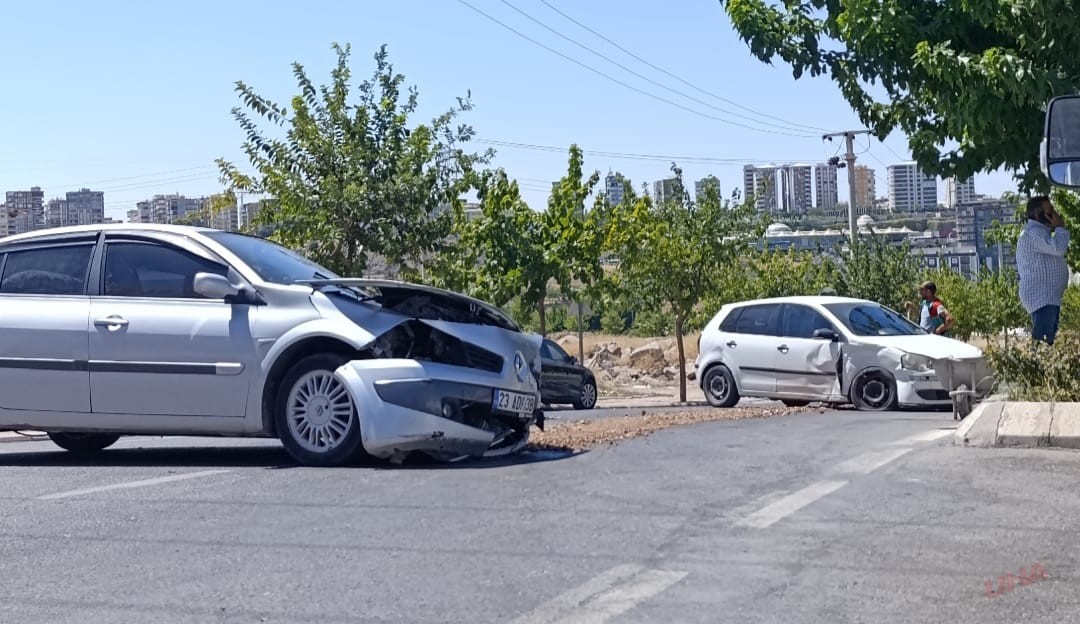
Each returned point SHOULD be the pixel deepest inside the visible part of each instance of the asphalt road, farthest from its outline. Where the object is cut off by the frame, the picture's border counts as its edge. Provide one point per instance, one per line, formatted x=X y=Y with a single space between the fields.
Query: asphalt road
x=818 y=518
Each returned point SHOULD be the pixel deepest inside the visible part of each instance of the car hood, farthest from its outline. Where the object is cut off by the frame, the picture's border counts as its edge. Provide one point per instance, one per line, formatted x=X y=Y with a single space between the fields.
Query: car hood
x=929 y=345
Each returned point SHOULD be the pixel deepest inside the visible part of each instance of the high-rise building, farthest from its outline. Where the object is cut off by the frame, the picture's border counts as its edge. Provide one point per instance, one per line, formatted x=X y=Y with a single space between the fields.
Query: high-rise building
x=957 y=192
x=760 y=183
x=86 y=207
x=56 y=213
x=614 y=188
x=25 y=210
x=798 y=188
x=865 y=189
x=166 y=208
x=704 y=183
x=974 y=219
x=911 y=190
x=664 y=191
x=826 y=192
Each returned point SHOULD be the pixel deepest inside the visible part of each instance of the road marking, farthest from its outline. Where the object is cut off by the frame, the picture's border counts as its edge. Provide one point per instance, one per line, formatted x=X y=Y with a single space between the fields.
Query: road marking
x=132 y=484
x=926 y=436
x=870 y=461
x=790 y=504
x=603 y=597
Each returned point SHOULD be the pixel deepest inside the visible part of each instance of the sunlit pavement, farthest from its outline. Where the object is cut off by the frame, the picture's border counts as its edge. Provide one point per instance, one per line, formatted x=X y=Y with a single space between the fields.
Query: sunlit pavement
x=819 y=517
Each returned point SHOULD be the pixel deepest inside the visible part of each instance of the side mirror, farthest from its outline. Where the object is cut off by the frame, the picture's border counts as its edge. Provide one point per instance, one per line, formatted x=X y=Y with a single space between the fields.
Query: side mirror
x=826 y=334
x=1060 y=149
x=214 y=286
x=573 y=359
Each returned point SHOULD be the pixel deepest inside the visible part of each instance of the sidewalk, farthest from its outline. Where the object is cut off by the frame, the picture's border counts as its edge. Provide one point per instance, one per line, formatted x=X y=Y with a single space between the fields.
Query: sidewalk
x=22 y=436
x=1000 y=423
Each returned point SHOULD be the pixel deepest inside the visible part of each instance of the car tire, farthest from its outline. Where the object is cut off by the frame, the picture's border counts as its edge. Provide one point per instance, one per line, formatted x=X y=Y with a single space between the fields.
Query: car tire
x=719 y=386
x=83 y=443
x=874 y=391
x=316 y=418
x=587 y=400
x=794 y=403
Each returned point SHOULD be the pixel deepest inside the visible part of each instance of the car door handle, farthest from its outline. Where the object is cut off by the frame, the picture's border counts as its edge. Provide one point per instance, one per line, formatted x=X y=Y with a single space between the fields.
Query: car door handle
x=732 y=343
x=782 y=348
x=113 y=323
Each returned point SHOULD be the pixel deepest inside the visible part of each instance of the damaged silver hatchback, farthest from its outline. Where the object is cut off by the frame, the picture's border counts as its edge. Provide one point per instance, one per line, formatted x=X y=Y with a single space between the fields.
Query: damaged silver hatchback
x=121 y=329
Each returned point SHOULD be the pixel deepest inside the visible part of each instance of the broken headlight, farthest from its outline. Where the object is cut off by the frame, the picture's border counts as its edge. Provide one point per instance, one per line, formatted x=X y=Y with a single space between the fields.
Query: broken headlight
x=917 y=363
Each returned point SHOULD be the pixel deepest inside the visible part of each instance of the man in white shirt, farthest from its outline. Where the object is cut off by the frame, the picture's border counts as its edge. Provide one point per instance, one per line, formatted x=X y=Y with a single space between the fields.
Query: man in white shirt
x=1040 y=260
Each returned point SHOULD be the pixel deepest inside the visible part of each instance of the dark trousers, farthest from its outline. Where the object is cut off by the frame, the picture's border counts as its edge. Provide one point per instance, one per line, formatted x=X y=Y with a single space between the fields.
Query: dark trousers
x=1044 y=323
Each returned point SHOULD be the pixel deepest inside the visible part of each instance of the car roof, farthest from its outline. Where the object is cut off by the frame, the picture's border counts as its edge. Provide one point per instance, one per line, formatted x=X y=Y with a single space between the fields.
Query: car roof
x=106 y=227
x=805 y=299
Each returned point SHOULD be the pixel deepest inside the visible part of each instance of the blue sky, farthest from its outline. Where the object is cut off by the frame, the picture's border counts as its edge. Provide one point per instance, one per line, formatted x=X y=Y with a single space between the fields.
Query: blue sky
x=133 y=98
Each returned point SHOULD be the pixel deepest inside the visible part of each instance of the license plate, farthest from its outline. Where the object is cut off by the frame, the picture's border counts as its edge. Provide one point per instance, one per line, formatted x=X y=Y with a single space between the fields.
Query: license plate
x=505 y=401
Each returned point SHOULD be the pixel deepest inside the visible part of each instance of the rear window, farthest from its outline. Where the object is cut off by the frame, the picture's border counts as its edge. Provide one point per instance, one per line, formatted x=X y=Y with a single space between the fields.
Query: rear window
x=763 y=320
x=731 y=320
x=60 y=270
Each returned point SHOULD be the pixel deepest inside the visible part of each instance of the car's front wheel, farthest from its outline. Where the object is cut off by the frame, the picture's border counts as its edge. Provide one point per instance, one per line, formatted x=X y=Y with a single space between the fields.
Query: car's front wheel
x=587 y=400
x=315 y=416
x=874 y=391
x=719 y=386
x=83 y=442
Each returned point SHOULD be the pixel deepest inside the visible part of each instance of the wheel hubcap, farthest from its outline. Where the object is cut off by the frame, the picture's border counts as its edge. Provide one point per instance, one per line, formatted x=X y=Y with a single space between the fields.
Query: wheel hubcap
x=320 y=412
x=718 y=387
x=588 y=395
x=875 y=392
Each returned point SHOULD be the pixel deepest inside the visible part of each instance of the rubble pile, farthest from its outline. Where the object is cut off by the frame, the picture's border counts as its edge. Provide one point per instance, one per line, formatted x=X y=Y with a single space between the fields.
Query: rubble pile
x=653 y=365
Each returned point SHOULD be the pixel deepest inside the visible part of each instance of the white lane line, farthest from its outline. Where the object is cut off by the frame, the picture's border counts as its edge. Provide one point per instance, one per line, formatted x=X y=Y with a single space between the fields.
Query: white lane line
x=603 y=597
x=870 y=461
x=132 y=484
x=926 y=436
x=790 y=504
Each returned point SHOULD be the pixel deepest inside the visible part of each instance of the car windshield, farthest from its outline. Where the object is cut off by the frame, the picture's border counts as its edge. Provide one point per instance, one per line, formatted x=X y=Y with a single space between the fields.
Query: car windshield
x=871 y=319
x=273 y=263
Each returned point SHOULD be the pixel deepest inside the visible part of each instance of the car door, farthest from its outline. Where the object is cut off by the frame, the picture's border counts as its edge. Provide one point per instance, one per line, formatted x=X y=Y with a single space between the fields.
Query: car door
x=569 y=374
x=44 y=317
x=753 y=348
x=156 y=347
x=807 y=367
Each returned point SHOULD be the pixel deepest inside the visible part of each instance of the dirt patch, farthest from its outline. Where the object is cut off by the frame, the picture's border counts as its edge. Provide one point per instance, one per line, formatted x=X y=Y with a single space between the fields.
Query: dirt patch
x=586 y=434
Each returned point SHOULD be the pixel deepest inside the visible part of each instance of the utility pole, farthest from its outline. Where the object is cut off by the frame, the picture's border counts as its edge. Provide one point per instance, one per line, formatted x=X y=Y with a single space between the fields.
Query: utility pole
x=849 y=140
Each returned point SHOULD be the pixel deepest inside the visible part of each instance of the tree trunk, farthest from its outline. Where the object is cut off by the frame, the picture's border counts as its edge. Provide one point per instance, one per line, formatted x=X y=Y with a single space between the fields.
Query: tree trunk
x=580 y=336
x=682 y=357
x=543 y=316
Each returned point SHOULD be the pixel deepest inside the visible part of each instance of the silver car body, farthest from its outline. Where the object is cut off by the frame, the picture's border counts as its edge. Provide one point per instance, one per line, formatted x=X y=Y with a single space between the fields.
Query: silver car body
x=794 y=365
x=201 y=366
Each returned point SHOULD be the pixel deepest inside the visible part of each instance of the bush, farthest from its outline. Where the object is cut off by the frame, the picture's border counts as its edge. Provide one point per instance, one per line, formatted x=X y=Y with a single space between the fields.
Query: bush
x=1034 y=371
x=613 y=321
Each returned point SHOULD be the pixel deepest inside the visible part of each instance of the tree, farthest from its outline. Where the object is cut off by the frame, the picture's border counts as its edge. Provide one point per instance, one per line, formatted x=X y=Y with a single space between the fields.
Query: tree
x=351 y=177
x=671 y=253
x=878 y=271
x=498 y=255
x=977 y=74
x=573 y=238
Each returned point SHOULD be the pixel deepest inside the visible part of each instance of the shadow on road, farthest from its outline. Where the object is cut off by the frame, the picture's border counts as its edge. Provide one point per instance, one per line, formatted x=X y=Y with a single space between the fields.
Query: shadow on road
x=269 y=456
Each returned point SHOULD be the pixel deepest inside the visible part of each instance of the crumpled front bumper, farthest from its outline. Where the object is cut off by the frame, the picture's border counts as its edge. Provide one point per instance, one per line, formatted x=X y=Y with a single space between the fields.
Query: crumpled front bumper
x=444 y=411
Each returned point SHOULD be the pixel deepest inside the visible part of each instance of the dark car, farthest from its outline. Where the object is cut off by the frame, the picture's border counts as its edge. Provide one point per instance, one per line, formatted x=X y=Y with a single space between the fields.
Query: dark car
x=564 y=380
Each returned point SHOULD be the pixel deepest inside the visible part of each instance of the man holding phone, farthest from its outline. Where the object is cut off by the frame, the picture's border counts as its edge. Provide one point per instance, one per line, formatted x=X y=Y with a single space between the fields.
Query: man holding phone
x=1040 y=260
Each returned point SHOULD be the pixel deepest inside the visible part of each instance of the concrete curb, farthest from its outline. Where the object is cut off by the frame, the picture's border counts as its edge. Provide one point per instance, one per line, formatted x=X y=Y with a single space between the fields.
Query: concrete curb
x=1020 y=424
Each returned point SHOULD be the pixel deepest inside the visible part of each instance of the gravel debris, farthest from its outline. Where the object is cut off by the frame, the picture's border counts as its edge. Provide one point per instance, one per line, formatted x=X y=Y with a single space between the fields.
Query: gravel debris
x=580 y=435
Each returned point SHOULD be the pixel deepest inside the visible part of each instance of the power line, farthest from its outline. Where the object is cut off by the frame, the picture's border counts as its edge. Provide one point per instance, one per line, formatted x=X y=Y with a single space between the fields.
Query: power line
x=630 y=156
x=672 y=75
x=623 y=84
x=787 y=126
x=135 y=177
